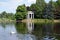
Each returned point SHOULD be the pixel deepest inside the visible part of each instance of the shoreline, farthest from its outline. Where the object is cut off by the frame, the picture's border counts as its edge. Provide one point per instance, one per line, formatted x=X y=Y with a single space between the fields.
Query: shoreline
x=40 y=20
x=4 y=20
x=30 y=20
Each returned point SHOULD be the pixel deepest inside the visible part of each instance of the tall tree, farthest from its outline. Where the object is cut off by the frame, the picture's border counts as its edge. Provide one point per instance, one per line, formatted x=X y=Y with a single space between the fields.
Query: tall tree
x=38 y=8
x=21 y=12
x=48 y=11
x=3 y=14
x=57 y=9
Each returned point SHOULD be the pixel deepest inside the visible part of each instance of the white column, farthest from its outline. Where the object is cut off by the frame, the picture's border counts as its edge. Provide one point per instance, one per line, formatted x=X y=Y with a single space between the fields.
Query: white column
x=31 y=16
x=28 y=16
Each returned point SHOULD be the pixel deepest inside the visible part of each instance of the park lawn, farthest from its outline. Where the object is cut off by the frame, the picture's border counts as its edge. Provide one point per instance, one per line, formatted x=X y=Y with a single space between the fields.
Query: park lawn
x=30 y=20
x=4 y=20
x=40 y=20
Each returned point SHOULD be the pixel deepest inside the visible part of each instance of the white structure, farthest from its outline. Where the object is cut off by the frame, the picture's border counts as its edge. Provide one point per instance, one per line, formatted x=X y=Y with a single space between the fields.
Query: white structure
x=30 y=15
x=30 y=26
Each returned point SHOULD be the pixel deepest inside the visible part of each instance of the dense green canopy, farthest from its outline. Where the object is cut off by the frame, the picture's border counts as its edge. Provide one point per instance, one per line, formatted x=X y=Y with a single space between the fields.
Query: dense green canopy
x=41 y=8
x=38 y=8
x=21 y=12
x=6 y=15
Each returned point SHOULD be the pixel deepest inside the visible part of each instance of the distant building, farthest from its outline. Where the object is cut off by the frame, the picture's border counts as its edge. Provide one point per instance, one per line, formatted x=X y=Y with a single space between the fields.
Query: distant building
x=30 y=13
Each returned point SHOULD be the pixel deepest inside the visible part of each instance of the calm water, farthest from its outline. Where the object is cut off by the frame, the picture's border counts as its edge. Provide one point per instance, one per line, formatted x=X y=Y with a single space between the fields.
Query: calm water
x=29 y=31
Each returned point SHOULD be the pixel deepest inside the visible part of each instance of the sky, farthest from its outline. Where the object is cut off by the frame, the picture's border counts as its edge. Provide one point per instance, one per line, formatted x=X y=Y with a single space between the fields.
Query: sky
x=10 y=5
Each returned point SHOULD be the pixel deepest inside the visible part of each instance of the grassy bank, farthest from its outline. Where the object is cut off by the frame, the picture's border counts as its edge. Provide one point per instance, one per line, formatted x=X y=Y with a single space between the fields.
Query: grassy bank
x=4 y=20
x=29 y=20
x=37 y=20
x=40 y=20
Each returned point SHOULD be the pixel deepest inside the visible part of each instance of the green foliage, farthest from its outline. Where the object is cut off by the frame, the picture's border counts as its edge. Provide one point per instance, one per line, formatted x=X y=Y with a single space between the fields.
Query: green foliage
x=58 y=2
x=58 y=5
x=38 y=8
x=48 y=11
x=7 y=15
x=56 y=9
x=21 y=28
x=21 y=12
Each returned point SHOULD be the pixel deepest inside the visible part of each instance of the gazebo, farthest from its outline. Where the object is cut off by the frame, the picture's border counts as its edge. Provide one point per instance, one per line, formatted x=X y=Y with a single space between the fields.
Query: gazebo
x=30 y=13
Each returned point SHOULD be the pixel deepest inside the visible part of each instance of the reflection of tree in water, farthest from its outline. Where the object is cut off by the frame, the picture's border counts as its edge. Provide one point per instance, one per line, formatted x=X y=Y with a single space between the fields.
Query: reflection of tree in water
x=25 y=27
x=48 y=32
x=21 y=27
x=57 y=30
x=38 y=30
x=4 y=24
x=43 y=30
x=30 y=27
x=48 y=29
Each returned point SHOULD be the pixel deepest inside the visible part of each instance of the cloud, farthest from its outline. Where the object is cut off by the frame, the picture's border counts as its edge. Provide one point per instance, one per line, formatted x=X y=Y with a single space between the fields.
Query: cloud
x=31 y=1
x=54 y=0
x=47 y=1
x=11 y=5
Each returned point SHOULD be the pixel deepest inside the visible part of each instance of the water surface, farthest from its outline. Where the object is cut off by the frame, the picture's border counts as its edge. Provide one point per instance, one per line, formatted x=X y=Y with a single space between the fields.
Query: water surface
x=29 y=31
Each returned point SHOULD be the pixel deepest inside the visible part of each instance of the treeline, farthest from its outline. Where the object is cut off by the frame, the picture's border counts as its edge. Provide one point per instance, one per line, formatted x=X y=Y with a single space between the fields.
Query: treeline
x=41 y=10
x=5 y=15
x=49 y=10
x=21 y=12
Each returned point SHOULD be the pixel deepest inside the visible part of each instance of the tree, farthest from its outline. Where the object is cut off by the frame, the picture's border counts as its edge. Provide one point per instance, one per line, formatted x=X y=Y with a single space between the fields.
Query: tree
x=10 y=16
x=49 y=11
x=21 y=12
x=38 y=8
x=21 y=27
x=6 y=15
x=57 y=9
x=3 y=14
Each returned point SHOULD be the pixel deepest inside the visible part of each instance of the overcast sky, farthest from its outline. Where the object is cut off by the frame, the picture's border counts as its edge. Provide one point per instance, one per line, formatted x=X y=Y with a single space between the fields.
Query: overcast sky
x=11 y=5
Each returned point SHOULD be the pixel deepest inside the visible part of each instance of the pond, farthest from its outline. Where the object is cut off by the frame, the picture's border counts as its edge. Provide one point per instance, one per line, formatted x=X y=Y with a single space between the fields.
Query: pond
x=29 y=31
